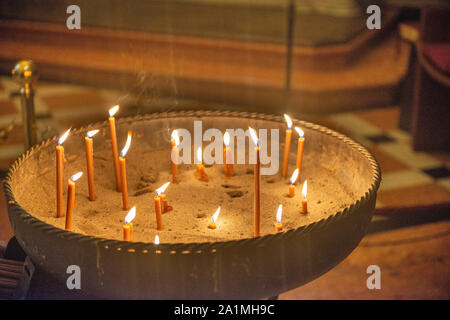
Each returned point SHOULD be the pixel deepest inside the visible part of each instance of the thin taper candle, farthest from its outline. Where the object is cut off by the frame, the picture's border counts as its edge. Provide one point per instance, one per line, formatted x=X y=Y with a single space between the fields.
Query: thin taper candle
x=287 y=145
x=257 y=175
x=301 y=141
x=71 y=199
x=112 y=131
x=60 y=174
x=90 y=162
x=123 y=172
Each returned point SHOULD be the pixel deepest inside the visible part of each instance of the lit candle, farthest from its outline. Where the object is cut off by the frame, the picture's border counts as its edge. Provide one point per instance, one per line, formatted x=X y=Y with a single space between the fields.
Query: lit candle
x=112 y=131
x=90 y=162
x=301 y=141
x=229 y=170
x=200 y=174
x=212 y=224
x=60 y=173
x=278 y=225
x=287 y=144
x=304 y=201
x=156 y=242
x=128 y=226
x=175 y=143
x=257 y=201
x=123 y=172
x=292 y=183
x=157 y=200
x=71 y=199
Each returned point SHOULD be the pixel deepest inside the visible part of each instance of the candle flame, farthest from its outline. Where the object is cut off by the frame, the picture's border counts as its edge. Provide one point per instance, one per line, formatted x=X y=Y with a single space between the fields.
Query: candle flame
x=304 y=189
x=130 y=215
x=161 y=190
x=300 y=132
x=226 y=139
x=63 y=137
x=124 y=151
x=288 y=121
x=92 y=133
x=294 y=176
x=279 y=212
x=215 y=215
x=113 y=110
x=254 y=136
x=156 y=240
x=199 y=155
x=175 y=137
x=76 y=176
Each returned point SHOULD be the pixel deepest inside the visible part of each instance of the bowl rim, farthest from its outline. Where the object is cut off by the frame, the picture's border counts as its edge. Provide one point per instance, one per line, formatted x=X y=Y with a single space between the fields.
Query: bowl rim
x=195 y=247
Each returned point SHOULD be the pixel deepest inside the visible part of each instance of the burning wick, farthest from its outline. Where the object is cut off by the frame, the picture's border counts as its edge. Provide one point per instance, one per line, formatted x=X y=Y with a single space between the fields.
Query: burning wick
x=304 y=201
x=301 y=141
x=229 y=170
x=59 y=173
x=175 y=142
x=158 y=210
x=90 y=162
x=287 y=144
x=292 y=183
x=200 y=174
x=123 y=172
x=112 y=131
x=156 y=242
x=128 y=226
x=257 y=199
x=212 y=224
x=71 y=199
x=278 y=225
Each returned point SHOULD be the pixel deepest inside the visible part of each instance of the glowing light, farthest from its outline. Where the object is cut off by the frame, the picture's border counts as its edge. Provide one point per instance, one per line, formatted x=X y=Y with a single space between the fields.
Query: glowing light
x=294 y=177
x=124 y=151
x=288 y=121
x=113 y=110
x=199 y=155
x=226 y=139
x=76 y=176
x=130 y=215
x=279 y=212
x=304 y=189
x=63 y=137
x=300 y=132
x=156 y=240
x=92 y=133
x=215 y=215
x=254 y=136
x=161 y=190
x=175 y=137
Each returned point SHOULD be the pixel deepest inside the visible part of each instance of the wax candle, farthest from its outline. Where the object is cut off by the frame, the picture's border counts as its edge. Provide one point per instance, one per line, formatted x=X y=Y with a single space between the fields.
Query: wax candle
x=157 y=200
x=257 y=200
x=60 y=173
x=229 y=170
x=278 y=225
x=71 y=199
x=90 y=162
x=123 y=172
x=156 y=242
x=128 y=226
x=112 y=131
x=301 y=141
x=174 y=155
x=212 y=224
x=304 y=200
x=200 y=173
x=292 y=183
x=287 y=144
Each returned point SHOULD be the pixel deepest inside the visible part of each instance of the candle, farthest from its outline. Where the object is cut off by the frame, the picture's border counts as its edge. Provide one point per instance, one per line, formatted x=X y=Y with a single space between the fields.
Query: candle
x=128 y=226
x=257 y=201
x=229 y=170
x=156 y=242
x=304 y=201
x=175 y=143
x=112 y=131
x=292 y=183
x=200 y=174
x=123 y=172
x=212 y=224
x=157 y=200
x=287 y=144
x=278 y=225
x=301 y=141
x=60 y=173
x=71 y=199
x=90 y=162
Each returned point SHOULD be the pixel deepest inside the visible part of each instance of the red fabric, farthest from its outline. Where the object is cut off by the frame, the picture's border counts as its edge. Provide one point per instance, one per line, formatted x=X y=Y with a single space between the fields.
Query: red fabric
x=439 y=55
